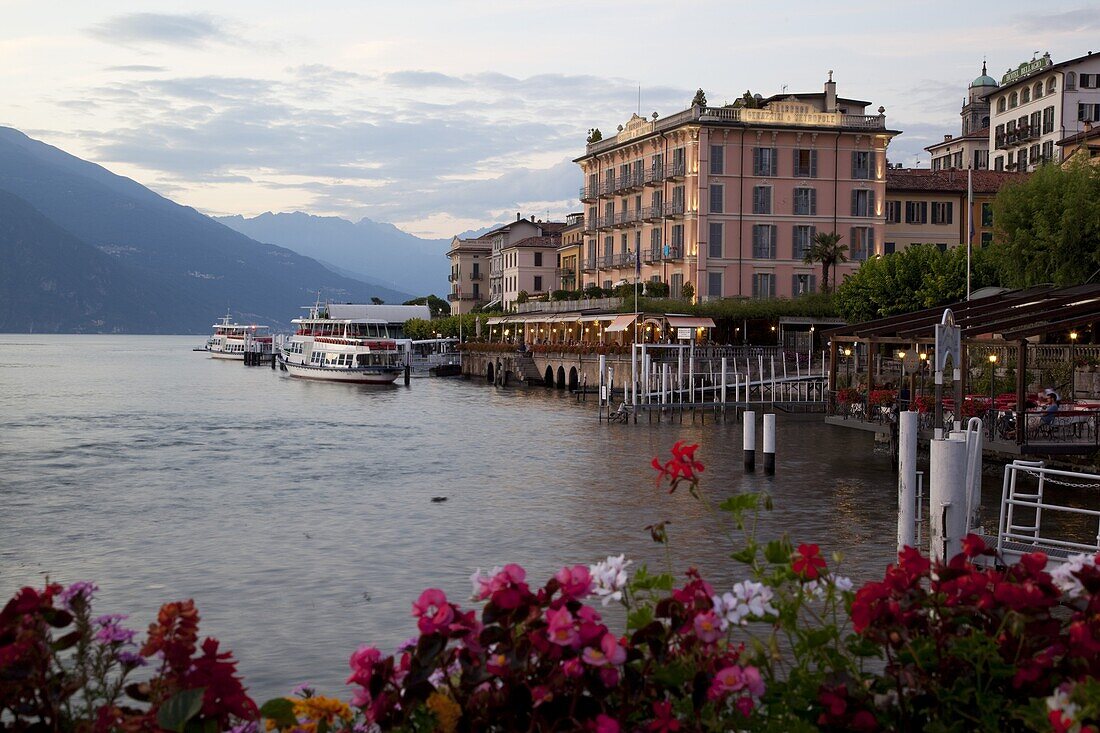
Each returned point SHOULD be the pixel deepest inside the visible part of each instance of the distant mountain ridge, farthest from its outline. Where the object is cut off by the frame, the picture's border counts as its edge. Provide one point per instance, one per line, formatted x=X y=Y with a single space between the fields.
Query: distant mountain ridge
x=169 y=268
x=375 y=250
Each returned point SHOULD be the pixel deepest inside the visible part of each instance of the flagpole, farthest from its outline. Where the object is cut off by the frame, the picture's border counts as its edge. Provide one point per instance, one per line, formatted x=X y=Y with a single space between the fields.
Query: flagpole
x=969 y=224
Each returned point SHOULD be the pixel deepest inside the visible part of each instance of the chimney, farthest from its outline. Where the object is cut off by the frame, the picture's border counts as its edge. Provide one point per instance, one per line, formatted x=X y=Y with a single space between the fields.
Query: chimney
x=830 y=93
x=517 y=216
x=946 y=138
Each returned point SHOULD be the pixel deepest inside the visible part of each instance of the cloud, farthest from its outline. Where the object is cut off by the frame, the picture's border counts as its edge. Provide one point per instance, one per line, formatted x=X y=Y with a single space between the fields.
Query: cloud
x=136 y=68
x=159 y=28
x=418 y=79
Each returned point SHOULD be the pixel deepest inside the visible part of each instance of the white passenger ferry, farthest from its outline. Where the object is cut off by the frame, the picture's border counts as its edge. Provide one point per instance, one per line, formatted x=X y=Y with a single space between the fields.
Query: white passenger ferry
x=232 y=340
x=342 y=349
x=433 y=357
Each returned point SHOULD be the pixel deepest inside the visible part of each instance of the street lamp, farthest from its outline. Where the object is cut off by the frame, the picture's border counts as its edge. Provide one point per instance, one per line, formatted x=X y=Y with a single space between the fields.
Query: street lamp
x=848 y=365
x=923 y=359
x=992 y=395
x=1072 y=365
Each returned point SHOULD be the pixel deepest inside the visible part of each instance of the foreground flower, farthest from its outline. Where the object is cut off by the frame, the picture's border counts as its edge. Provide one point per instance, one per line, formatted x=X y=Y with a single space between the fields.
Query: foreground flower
x=362 y=664
x=734 y=679
x=610 y=652
x=807 y=562
x=749 y=600
x=609 y=578
x=1065 y=575
x=432 y=611
x=681 y=467
x=575 y=582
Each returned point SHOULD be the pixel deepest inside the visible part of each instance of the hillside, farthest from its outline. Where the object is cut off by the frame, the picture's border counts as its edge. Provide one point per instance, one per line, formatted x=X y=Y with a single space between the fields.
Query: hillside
x=201 y=265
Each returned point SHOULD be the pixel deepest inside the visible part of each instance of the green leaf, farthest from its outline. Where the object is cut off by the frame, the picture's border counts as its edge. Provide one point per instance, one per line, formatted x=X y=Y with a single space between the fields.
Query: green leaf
x=639 y=617
x=739 y=503
x=280 y=710
x=174 y=713
x=778 y=552
x=67 y=641
x=747 y=555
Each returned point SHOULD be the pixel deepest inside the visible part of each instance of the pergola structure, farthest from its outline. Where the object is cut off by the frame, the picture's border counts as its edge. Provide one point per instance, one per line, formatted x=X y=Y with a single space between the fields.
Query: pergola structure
x=1003 y=321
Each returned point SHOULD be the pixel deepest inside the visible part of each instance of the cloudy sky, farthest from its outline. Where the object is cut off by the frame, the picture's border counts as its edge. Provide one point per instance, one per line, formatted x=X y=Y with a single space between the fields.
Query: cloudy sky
x=445 y=115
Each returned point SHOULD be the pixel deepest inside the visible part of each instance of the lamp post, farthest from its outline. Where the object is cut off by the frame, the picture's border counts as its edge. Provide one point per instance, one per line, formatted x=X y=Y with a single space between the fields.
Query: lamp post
x=992 y=395
x=923 y=361
x=1072 y=365
x=848 y=365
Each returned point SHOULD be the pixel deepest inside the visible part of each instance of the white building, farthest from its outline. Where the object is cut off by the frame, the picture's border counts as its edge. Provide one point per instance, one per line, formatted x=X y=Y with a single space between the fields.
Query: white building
x=1039 y=103
x=970 y=149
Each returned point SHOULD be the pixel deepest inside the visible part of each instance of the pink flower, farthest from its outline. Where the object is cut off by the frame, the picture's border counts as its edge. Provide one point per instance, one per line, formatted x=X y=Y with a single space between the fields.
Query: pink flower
x=575 y=582
x=561 y=628
x=433 y=611
x=572 y=667
x=744 y=706
x=362 y=664
x=541 y=694
x=736 y=678
x=610 y=652
x=708 y=627
x=606 y=724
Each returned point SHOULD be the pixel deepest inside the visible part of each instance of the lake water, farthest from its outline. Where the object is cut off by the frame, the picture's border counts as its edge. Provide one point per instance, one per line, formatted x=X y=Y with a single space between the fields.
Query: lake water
x=299 y=515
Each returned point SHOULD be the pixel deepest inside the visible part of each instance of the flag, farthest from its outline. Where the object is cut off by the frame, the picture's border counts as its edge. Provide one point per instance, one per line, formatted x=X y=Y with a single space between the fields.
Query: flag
x=638 y=262
x=970 y=202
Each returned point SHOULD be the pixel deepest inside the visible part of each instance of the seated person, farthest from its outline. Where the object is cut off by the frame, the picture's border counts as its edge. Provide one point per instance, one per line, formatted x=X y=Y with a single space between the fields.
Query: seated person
x=1050 y=408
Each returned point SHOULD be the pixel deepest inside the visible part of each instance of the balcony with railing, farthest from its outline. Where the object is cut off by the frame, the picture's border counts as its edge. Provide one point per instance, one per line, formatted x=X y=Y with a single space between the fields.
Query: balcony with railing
x=675 y=171
x=654 y=176
x=652 y=254
x=589 y=265
x=589 y=193
x=453 y=277
x=607 y=186
x=674 y=252
x=462 y=296
x=654 y=212
x=675 y=209
x=476 y=275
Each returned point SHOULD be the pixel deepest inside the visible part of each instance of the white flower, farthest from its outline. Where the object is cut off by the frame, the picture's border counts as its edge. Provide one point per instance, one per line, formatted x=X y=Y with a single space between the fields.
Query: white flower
x=481 y=583
x=818 y=589
x=1064 y=575
x=842 y=583
x=609 y=578
x=1060 y=701
x=748 y=600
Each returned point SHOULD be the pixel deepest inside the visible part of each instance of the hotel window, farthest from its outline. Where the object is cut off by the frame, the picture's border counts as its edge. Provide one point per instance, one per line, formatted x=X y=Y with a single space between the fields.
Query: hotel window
x=623 y=250
x=1001 y=104
x=765 y=161
x=714 y=241
x=655 y=242
x=678 y=200
x=676 y=285
x=1071 y=81
x=987 y=239
x=1034 y=122
x=1013 y=100
x=606 y=284
x=1048 y=120
x=802 y=238
x=803 y=284
x=942 y=212
x=861 y=164
x=916 y=212
x=1025 y=95
x=717 y=205
x=538 y=259
x=659 y=166
x=1052 y=85
x=999 y=163
x=861 y=243
x=987 y=214
x=893 y=212
x=608 y=250
x=717 y=160
x=763 y=285
x=677 y=235
x=1021 y=162
x=1035 y=157
x=678 y=162
x=591 y=262
x=863 y=203
x=1011 y=162
x=763 y=241
x=609 y=180
x=1088 y=112
x=624 y=175
x=958 y=160
x=1048 y=150
x=658 y=202
x=1090 y=81
x=639 y=172
x=805 y=201
x=805 y=163
x=889 y=248
x=714 y=284
x=538 y=283
x=761 y=199
x=1038 y=90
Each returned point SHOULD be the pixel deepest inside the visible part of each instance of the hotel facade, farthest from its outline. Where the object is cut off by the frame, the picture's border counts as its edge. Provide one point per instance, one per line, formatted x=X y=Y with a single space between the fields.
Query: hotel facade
x=727 y=199
x=1038 y=104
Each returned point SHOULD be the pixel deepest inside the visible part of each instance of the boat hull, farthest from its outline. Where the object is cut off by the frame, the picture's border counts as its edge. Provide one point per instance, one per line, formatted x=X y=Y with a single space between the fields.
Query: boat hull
x=365 y=375
x=230 y=355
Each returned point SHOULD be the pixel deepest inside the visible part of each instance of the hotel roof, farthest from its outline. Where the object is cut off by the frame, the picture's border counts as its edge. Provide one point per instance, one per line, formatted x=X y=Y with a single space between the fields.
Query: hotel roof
x=954 y=180
x=982 y=134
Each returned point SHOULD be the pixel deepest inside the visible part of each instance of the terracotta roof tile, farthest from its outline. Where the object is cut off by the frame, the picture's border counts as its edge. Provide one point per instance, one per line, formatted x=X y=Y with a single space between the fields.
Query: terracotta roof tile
x=923 y=179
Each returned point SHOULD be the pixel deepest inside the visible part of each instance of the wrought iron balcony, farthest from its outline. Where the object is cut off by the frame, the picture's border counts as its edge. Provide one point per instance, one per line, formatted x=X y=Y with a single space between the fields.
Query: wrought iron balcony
x=674 y=208
x=675 y=171
x=476 y=275
x=589 y=193
x=674 y=252
x=462 y=296
x=654 y=176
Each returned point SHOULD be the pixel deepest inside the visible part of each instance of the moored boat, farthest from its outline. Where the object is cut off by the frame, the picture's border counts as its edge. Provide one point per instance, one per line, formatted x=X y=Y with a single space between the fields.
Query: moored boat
x=355 y=350
x=433 y=357
x=232 y=340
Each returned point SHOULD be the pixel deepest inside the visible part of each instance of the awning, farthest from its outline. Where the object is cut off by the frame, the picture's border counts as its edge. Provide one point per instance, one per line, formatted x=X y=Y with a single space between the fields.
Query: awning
x=494 y=321
x=621 y=323
x=600 y=317
x=689 y=322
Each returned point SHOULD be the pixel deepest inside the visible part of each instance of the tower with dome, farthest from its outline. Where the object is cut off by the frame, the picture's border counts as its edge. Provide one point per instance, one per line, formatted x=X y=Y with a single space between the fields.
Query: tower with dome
x=970 y=149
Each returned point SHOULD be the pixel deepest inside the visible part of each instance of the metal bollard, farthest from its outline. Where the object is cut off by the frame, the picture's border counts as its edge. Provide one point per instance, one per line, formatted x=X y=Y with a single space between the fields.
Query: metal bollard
x=769 y=443
x=749 y=439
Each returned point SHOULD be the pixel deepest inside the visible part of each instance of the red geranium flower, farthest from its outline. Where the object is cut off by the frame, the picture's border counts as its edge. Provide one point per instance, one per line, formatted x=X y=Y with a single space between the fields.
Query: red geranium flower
x=807 y=563
x=681 y=467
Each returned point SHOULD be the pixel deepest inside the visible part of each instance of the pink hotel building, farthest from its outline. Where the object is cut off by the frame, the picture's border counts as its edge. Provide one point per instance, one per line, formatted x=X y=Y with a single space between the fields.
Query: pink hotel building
x=728 y=198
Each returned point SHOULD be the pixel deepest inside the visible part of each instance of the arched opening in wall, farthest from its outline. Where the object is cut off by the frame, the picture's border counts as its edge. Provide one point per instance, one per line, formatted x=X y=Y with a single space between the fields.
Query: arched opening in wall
x=489 y=373
x=548 y=378
x=561 y=378
x=573 y=381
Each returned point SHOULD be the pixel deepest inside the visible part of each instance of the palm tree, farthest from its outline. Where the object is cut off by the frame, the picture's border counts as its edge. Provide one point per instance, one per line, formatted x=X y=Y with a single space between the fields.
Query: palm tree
x=827 y=250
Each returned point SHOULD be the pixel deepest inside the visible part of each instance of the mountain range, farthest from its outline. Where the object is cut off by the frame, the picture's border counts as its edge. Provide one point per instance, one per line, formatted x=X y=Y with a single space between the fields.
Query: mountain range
x=86 y=250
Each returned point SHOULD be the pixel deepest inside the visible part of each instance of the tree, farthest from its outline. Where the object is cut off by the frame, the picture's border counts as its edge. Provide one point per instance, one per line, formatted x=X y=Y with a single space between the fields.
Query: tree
x=656 y=289
x=594 y=136
x=700 y=99
x=826 y=249
x=436 y=305
x=522 y=296
x=687 y=292
x=1048 y=227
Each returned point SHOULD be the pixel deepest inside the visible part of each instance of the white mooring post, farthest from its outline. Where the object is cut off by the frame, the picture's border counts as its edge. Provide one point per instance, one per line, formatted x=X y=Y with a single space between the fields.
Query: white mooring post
x=769 y=443
x=907 y=480
x=748 y=441
x=601 y=386
x=666 y=384
x=947 y=498
x=723 y=380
